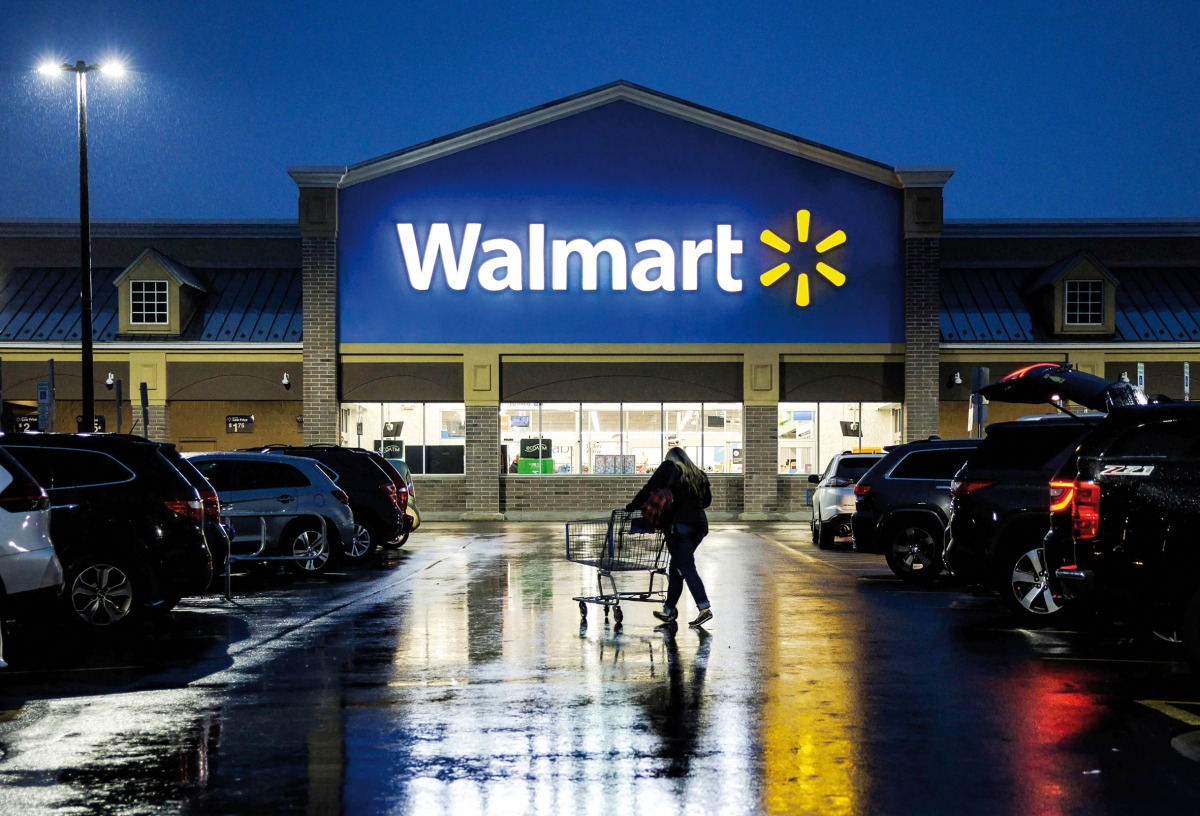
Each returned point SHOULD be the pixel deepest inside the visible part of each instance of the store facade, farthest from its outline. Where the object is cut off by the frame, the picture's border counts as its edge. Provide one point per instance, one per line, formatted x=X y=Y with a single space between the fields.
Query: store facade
x=568 y=292
x=532 y=311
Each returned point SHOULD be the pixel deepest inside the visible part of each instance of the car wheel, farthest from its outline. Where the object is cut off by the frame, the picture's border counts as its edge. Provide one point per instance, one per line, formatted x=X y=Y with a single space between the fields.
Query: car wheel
x=824 y=536
x=1191 y=632
x=397 y=543
x=102 y=593
x=310 y=547
x=1024 y=582
x=915 y=554
x=363 y=543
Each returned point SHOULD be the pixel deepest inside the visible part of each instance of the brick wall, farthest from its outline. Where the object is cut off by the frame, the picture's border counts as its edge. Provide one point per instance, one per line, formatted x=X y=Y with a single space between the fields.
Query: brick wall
x=760 y=458
x=440 y=497
x=320 y=340
x=160 y=422
x=922 y=257
x=482 y=459
x=567 y=497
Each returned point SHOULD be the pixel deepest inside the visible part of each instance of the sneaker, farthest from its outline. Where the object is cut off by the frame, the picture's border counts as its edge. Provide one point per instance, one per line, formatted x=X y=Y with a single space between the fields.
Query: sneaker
x=704 y=617
x=666 y=617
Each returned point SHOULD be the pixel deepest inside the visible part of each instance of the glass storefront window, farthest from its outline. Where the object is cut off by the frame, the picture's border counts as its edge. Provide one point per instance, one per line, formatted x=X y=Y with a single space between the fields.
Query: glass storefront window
x=621 y=438
x=601 y=438
x=429 y=436
x=811 y=433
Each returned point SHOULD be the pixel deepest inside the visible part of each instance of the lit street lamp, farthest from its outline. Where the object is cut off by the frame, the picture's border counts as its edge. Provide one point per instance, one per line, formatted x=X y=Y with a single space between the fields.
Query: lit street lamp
x=81 y=70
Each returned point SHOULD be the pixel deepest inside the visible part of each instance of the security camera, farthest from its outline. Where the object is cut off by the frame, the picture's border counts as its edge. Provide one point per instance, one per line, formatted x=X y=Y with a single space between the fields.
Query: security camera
x=287 y=381
x=110 y=380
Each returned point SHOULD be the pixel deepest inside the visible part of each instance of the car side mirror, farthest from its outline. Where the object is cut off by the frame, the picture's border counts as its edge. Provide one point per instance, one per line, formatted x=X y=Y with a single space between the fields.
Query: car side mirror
x=814 y=478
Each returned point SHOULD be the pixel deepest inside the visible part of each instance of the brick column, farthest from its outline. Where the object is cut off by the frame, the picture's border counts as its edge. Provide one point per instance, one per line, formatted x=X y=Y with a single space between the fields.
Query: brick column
x=320 y=340
x=760 y=457
x=318 y=242
x=159 y=425
x=482 y=457
x=922 y=296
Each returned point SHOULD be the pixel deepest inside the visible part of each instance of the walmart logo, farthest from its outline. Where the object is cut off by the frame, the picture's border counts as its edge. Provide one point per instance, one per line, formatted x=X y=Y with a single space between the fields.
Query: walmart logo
x=776 y=273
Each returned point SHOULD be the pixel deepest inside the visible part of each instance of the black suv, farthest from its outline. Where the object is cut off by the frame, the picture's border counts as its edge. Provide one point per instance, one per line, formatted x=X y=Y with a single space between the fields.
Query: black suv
x=378 y=514
x=1124 y=521
x=901 y=505
x=128 y=527
x=1000 y=510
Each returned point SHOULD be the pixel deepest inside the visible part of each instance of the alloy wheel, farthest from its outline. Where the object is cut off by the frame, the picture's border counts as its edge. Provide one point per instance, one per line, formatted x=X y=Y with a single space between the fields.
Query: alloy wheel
x=312 y=549
x=102 y=595
x=1030 y=582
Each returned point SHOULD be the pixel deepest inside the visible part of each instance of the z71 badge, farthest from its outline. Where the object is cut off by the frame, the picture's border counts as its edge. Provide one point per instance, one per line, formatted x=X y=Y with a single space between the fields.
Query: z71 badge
x=1126 y=470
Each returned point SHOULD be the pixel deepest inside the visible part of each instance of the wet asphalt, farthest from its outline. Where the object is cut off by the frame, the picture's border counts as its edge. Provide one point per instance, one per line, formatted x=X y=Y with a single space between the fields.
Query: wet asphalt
x=457 y=676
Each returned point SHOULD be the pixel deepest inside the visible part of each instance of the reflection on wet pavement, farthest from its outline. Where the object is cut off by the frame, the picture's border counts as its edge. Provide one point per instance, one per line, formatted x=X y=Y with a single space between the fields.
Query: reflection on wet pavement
x=457 y=678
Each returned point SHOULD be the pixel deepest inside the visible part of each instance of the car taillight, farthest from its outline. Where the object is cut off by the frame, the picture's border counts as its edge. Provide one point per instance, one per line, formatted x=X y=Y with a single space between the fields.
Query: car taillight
x=393 y=497
x=861 y=489
x=341 y=496
x=24 y=495
x=965 y=487
x=1061 y=495
x=188 y=508
x=1085 y=510
x=212 y=504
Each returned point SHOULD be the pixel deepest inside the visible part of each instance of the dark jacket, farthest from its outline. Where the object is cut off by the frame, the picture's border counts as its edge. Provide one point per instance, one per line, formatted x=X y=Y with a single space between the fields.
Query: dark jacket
x=686 y=507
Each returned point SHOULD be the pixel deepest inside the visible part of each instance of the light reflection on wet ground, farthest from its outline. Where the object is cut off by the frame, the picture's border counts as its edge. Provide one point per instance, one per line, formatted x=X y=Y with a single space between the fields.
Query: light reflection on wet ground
x=456 y=678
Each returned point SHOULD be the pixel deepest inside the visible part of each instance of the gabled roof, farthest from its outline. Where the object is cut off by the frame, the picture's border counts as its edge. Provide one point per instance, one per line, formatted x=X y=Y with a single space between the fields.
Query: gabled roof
x=1081 y=259
x=606 y=94
x=243 y=306
x=180 y=273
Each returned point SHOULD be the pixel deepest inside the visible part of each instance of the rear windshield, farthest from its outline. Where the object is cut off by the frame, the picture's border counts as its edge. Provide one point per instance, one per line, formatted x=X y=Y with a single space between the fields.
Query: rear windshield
x=1026 y=446
x=937 y=463
x=852 y=467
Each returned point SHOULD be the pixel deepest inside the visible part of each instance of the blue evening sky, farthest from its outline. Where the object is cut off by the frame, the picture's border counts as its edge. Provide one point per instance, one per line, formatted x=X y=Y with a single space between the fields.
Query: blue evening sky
x=1044 y=109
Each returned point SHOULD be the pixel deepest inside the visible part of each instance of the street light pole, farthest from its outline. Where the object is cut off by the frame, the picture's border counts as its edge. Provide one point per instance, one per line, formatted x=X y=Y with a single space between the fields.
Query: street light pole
x=86 y=357
x=86 y=363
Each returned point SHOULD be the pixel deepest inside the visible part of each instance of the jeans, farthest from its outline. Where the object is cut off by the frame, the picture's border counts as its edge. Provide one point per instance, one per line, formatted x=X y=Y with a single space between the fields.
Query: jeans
x=682 y=542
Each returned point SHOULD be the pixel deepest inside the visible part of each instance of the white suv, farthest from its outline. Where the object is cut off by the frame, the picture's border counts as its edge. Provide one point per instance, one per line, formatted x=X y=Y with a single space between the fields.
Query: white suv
x=833 y=497
x=29 y=566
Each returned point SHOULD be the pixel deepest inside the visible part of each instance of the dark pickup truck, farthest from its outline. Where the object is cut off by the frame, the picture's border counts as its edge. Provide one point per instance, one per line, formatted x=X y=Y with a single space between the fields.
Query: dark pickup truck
x=1125 y=511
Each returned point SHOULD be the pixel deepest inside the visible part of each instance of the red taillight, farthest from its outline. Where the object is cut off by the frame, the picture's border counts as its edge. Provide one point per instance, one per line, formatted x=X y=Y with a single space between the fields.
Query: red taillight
x=188 y=508
x=212 y=504
x=1085 y=510
x=341 y=496
x=1061 y=495
x=861 y=489
x=23 y=496
x=965 y=487
x=393 y=496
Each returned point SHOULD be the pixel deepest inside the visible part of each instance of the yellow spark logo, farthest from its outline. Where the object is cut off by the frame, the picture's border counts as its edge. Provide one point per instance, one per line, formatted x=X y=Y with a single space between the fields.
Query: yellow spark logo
x=772 y=275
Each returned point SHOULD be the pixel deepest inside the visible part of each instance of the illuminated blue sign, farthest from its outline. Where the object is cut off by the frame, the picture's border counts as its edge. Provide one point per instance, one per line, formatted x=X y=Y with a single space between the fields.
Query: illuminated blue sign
x=620 y=224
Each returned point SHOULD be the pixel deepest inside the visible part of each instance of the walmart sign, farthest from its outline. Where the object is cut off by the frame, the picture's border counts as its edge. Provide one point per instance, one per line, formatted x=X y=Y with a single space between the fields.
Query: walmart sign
x=620 y=225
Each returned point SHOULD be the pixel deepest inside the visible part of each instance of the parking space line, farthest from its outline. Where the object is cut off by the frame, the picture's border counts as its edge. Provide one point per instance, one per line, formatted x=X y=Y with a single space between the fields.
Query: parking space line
x=1169 y=707
x=812 y=559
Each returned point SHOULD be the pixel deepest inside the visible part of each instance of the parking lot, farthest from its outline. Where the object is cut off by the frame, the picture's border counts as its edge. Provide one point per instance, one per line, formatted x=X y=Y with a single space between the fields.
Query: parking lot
x=454 y=675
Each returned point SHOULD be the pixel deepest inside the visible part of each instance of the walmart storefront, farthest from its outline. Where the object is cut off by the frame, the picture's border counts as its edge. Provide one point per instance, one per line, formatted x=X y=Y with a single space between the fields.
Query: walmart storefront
x=530 y=312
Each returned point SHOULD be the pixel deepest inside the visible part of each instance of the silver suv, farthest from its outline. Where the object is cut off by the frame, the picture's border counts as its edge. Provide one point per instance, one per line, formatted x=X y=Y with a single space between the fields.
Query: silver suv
x=290 y=494
x=833 y=498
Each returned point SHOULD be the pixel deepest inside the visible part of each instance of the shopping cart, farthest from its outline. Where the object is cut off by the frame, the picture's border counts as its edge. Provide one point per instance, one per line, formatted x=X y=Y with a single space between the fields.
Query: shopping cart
x=623 y=542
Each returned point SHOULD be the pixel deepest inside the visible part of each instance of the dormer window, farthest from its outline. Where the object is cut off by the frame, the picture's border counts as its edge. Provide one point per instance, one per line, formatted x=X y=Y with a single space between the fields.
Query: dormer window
x=148 y=302
x=158 y=296
x=1084 y=302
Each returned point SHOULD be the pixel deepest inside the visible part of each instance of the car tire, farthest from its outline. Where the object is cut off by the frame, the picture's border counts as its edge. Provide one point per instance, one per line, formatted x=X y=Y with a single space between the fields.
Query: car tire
x=103 y=594
x=1023 y=580
x=915 y=553
x=825 y=535
x=365 y=541
x=305 y=539
x=396 y=543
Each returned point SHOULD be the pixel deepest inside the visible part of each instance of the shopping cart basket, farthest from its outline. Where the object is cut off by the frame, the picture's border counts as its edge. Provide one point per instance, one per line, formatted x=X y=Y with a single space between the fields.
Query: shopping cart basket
x=623 y=542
